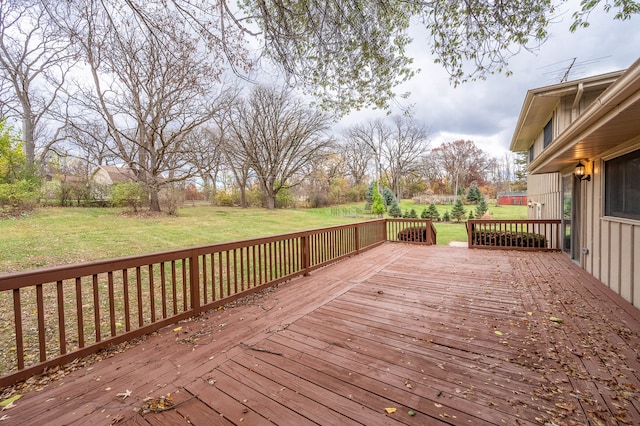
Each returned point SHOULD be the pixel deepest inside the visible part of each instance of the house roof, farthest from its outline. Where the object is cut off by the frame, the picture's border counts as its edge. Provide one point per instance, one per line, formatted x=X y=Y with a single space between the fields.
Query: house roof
x=608 y=121
x=119 y=174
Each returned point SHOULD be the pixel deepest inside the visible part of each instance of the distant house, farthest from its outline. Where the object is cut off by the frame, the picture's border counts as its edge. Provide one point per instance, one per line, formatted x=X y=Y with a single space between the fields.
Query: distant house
x=512 y=199
x=104 y=177
x=583 y=140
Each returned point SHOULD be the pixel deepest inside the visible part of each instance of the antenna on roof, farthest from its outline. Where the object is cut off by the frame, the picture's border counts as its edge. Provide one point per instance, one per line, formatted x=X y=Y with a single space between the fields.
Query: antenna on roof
x=573 y=70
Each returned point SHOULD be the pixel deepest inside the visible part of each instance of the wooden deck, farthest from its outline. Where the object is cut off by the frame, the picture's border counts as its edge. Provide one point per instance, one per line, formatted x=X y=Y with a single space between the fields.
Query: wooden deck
x=441 y=335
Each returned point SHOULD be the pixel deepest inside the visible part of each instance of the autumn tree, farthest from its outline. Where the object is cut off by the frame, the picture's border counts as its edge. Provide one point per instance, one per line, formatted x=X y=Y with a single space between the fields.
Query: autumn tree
x=279 y=137
x=151 y=92
x=402 y=151
x=35 y=59
x=462 y=163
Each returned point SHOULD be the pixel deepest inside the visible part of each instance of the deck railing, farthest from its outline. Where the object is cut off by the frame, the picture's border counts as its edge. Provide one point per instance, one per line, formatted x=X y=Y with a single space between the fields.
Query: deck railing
x=514 y=234
x=67 y=312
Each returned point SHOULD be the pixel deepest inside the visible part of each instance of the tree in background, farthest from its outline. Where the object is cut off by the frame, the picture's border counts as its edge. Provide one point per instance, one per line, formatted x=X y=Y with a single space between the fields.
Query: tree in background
x=395 y=210
x=457 y=212
x=18 y=188
x=378 y=203
x=279 y=137
x=520 y=183
x=481 y=208
x=462 y=163
x=432 y=212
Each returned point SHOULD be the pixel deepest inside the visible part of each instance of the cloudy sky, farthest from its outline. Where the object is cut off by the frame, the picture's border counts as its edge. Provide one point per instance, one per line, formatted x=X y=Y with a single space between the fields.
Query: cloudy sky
x=486 y=112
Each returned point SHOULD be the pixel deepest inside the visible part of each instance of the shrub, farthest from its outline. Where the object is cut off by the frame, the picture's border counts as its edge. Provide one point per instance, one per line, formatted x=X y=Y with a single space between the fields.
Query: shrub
x=413 y=214
x=129 y=194
x=508 y=239
x=414 y=233
x=446 y=217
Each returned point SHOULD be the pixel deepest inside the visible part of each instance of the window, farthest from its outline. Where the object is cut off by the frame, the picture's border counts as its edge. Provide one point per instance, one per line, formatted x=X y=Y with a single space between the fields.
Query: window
x=622 y=187
x=548 y=133
x=531 y=154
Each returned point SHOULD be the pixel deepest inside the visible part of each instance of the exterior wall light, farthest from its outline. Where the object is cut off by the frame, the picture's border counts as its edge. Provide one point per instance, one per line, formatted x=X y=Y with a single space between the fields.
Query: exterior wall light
x=530 y=204
x=580 y=172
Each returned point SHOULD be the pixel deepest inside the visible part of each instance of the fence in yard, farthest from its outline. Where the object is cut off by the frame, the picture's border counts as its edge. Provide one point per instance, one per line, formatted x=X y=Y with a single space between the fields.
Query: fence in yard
x=67 y=312
x=514 y=234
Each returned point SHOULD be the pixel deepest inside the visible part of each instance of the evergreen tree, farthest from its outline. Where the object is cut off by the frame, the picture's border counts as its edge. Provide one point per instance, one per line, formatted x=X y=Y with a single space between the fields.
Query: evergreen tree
x=424 y=214
x=395 y=210
x=368 y=196
x=378 y=204
x=481 y=208
x=470 y=214
x=474 y=195
x=457 y=212
x=387 y=197
x=433 y=212
x=413 y=214
x=446 y=217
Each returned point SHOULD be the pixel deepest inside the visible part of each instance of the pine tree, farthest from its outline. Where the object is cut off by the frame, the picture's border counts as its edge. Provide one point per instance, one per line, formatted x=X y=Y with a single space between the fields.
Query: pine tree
x=470 y=214
x=368 y=196
x=481 y=208
x=424 y=214
x=413 y=214
x=433 y=212
x=395 y=210
x=378 y=204
x=446 y=217
x=474 y=195
x=387 y=197
x=457 y=212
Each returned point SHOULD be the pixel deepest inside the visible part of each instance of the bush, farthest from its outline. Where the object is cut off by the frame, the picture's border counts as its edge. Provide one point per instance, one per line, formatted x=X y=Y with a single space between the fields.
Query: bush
x=223 y=199
x=414 y=233
x=18 y=197
x=508 y=239
x=129 y=194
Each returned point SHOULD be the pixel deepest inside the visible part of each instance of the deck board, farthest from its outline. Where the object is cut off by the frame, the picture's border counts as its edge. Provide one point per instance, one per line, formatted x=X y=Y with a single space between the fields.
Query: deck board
x=453 y=335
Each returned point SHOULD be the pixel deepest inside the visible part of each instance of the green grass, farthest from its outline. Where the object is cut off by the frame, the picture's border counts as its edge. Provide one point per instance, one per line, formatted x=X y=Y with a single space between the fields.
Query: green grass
x=55 y=236
x=448 y=232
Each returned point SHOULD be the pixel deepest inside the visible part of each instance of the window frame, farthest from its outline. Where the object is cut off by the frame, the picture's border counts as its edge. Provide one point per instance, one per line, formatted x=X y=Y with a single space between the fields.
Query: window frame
x=616 y=176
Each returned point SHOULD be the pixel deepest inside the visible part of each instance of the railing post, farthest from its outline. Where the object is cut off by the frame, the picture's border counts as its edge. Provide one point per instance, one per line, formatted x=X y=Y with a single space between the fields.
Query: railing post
x=384 y=230
x=194 y=282
x=357 y=237
x=306 y=254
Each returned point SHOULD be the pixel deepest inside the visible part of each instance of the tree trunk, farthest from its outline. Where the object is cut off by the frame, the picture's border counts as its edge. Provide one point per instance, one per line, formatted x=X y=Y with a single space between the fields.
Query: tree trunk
x=154 y=199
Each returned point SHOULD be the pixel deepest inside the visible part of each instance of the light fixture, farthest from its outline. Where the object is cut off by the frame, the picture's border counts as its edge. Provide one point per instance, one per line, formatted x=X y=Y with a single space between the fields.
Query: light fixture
x=580 y=172
x=530 y=204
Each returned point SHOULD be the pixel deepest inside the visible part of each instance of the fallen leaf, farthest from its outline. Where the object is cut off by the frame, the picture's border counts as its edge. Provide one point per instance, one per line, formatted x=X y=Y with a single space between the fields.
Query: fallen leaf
x=8 y=403
x=529 y=313
x=390 y=410
x=177 y=328
x=555 y=319
x=498 y=332
x=438 y=405
x=124 y=394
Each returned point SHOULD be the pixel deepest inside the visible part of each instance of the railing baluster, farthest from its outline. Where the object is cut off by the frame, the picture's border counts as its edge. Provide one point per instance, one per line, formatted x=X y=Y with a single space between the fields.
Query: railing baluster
x=62 y=330
x=96 y=308
x=17 y=315
x=112 y=303
x=139 y=296
x=41 y=328
x=80 y=316
x=127 y=307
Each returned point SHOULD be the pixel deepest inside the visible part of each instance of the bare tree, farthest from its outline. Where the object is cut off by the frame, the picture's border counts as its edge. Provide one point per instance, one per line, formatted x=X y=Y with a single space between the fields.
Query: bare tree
x=35 y=59
x=403 y=150
x=152 y=93
x=356 y=156
x=279 y=137
x=375 y=135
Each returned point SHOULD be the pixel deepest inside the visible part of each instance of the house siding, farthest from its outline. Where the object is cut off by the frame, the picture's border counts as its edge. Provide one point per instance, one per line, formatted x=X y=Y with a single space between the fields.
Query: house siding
x=545 y=189
x=611 y=241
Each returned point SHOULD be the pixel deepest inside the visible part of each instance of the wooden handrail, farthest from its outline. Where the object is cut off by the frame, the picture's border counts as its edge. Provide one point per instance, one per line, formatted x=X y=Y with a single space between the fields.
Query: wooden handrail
x=79 y=309
x=524 y=234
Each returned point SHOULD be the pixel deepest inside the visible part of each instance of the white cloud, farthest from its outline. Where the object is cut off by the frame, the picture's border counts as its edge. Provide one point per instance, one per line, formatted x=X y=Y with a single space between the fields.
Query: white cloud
x=486 y=111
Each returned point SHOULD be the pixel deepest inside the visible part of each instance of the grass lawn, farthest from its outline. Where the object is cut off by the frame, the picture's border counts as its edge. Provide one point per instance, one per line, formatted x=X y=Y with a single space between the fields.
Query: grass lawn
x=448 y=232
x=54 y=236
